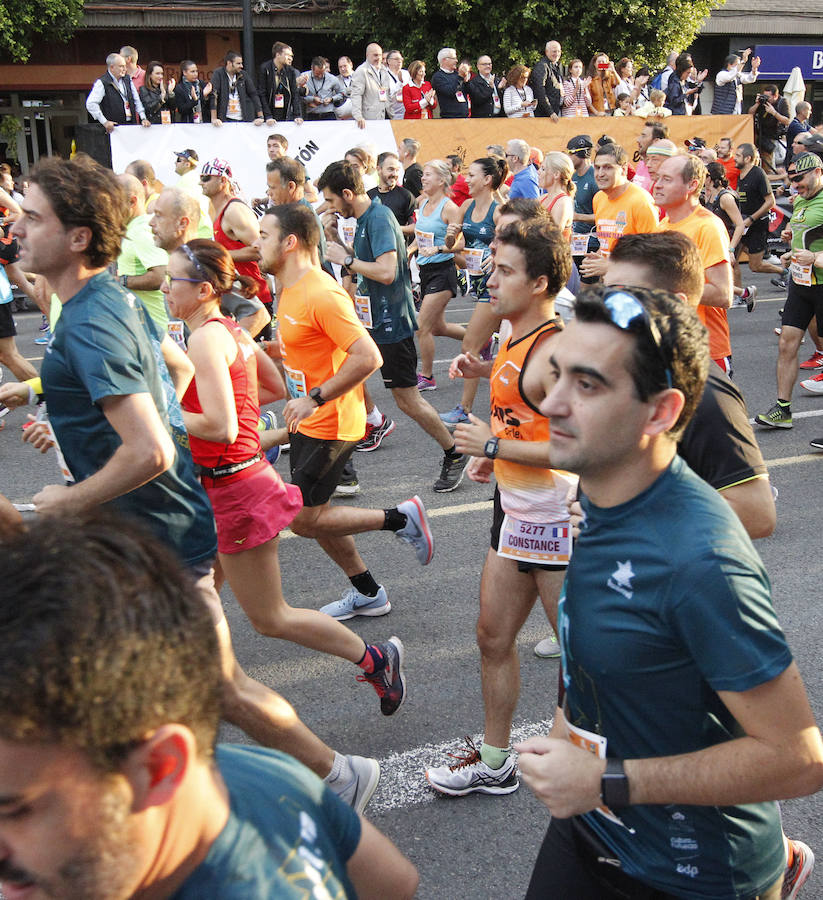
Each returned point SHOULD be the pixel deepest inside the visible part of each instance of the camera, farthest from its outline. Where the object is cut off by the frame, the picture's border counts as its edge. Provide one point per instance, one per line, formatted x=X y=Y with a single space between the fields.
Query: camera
x=763 y=98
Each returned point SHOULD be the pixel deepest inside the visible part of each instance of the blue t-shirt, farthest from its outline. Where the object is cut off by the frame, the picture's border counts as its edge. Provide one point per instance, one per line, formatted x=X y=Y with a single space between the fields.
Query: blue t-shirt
x=105 y=345
x=392 y=306
x=666 y=602
x=586 y=189
x=524 y=184
x=287 y=834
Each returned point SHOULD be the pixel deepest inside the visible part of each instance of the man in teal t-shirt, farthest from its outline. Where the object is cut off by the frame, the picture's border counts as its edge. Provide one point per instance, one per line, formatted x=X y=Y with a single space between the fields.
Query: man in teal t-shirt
x=683 y=712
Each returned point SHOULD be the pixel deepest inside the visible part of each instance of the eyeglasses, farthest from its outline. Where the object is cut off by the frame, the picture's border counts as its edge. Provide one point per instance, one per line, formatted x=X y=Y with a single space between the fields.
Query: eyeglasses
x=627 y=312
x=171 y=278
x=795 y=178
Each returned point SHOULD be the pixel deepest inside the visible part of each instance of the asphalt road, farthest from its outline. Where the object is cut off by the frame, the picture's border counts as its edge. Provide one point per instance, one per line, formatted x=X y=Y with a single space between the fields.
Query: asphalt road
x=482 y=846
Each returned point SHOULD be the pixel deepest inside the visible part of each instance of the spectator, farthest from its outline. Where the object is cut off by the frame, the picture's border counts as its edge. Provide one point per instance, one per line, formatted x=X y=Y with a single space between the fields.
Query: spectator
x=370 y=94
x=157 y=96
x=191 y=94
x=484 y=90
x=624 y=105
x=547 y=82
x=234 y=97
x=664 y=76
x=678 y=92
x=323 y=93
x=602 y=82
x=419 y=97
x=113 y=99
x=398 y=78
x=518 y=99
x=628 y=83
x=137 y=75
x=345 y=74
x=524 y=182
x=279 y=90
x=449 y=86
x=654 y=107
x=725 y=157
x=728 y=84
x=771 y=118
x=460 y=190
x=577 y=98
x=141 y=265
x=799 y=125
x=407 y=150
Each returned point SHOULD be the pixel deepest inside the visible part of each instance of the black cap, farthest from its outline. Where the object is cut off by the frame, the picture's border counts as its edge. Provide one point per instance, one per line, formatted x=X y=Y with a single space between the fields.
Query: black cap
x=188 y=154
x=579 y=142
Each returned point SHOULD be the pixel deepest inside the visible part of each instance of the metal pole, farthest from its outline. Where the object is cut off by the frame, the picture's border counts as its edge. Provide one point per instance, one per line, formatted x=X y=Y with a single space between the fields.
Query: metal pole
x=248 y=40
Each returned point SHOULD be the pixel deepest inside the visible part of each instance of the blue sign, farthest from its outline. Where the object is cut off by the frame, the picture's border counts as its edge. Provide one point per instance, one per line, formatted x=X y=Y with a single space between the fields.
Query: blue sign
x=779 y=59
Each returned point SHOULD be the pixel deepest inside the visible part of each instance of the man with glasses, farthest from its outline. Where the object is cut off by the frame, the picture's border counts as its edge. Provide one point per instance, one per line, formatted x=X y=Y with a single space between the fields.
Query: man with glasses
x=524 y=182
x=683 y=713
x=805 y=287
x=486 y=91
x=450 y=87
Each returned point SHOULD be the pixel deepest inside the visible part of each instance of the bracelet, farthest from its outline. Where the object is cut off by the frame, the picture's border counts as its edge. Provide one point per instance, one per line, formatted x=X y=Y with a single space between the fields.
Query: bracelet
x=124 y=280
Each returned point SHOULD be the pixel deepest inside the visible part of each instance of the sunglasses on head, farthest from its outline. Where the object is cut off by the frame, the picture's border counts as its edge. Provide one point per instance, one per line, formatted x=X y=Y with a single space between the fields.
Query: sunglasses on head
x=629 y=314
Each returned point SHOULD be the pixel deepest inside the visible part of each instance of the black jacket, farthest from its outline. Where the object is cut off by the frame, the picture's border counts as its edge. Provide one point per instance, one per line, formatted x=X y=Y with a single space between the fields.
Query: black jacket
x=447 y=85
x=482 y=97
x=153 y=103
x=285 y=83
x=112 y=105
x=246 y=92
x=185 y=104
x=546 y=81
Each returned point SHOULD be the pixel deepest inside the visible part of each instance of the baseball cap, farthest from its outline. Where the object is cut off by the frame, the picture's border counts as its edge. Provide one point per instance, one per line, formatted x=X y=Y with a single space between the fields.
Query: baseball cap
x=579 y=142
x=695 y=143
x=216 y=166
x=188 y=154
x=805 y=162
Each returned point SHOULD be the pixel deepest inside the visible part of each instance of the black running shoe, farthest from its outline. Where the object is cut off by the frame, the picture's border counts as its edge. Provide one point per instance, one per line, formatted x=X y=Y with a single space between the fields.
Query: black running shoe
x=389 y=682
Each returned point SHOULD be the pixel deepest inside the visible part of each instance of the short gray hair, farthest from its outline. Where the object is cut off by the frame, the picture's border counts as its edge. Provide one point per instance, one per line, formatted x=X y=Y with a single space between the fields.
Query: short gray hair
x=519 y=148
x=411 y=145
x=183 y=204
x=807 y=107
x=442 y=54
x=112 y=58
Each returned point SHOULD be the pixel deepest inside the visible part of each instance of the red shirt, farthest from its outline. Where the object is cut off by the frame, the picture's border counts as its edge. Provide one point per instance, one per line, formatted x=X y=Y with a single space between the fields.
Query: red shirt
x=732 y=172
x=460 y=190
x=248 y=267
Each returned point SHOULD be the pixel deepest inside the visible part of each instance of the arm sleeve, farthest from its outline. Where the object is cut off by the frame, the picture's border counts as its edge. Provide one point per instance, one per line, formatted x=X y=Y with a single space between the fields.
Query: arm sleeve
x=93 y=102
x=151 y=102
x=724 y=77
x=511 y=101
x=263 y=92
x=358 y=86
x=538 y=81
x=410 y=101
x=182 y=94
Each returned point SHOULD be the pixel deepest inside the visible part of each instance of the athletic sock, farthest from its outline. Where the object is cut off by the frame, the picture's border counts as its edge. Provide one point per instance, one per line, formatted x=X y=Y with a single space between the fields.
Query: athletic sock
x=493 y=757
x=365 y=584
x=337 y=768
x=452 y=453
x=375 y=417
x=395 y=520
x=373 y=660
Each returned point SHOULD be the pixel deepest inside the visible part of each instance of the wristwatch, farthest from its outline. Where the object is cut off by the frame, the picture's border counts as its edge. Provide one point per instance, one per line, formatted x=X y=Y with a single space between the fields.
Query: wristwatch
x=614 y=785
x=491 y=448
x=315 y=395
x=348 y=261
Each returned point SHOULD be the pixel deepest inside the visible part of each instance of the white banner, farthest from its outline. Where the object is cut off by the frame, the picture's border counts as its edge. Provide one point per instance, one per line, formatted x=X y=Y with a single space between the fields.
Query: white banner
x=315 y=144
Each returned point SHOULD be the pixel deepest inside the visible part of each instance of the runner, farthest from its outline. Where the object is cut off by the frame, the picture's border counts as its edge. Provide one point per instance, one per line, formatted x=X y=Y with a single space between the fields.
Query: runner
x=530 y=534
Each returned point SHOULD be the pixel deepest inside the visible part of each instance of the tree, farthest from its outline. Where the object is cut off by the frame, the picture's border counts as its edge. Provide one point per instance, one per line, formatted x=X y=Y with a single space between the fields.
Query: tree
x=518 y=33
x=22 y=22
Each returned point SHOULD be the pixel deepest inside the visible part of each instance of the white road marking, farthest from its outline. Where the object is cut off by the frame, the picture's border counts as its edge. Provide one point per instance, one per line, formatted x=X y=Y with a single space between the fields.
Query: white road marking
x=402 y=778
x=791 y=460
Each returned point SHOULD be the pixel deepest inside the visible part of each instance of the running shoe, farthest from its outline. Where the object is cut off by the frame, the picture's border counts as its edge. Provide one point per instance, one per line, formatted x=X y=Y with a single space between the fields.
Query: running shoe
x=462 y=281
x=548 y=648
x=44 y=324
x=780 y=282
x=817 y=443
x=374 y=435
x=454 y=416
x=353 y=603
x=44 y=338
x=749 y=296
x=815 y=361
x=776 y=417
x=801 y=868
x=347 y=488
x=389 y=682
x=426 y=384
x=416 y=531
x=267 y=420
x=451 y=473
x=490 y=348
x=813 y=385
x=471 y=774
x=356 y=784
x=4 y=410
x=773 y=260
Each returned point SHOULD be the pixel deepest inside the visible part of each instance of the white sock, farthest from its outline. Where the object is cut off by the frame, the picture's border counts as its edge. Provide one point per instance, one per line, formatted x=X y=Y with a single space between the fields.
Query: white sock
x=338 y=767
x=375 y=417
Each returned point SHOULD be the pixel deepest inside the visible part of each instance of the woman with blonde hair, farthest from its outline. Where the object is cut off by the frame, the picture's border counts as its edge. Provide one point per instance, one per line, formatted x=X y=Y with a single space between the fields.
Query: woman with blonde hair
x=438 y=276
x=555 y=178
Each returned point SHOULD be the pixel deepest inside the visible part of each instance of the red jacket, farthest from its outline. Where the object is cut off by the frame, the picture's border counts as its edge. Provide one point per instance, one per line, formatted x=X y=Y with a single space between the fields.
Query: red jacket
x=412 y=94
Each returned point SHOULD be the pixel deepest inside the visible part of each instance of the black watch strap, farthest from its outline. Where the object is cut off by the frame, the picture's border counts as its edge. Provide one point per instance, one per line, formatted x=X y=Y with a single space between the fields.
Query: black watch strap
x=315 y=395
x=614 y=785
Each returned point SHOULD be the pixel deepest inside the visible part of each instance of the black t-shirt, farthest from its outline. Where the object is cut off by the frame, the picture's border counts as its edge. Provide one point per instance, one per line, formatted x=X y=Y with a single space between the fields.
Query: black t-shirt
x=413 y=179
x=399 y=200
x=719 y=443
x=767 y=124
x=753 y=190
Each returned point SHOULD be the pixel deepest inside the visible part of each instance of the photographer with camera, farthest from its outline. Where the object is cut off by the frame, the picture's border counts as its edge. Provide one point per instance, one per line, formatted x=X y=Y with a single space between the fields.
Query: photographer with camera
x=771 y=117
x=677 y=91
x=234 y=97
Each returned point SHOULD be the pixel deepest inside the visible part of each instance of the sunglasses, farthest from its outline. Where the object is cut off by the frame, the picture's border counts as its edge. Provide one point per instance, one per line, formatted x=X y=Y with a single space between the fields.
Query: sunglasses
x=795 y=178
x=629 y=314
x=205 y=178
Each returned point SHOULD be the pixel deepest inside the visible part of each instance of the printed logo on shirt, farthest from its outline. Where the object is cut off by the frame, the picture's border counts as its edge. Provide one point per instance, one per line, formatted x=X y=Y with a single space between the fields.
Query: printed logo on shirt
x=621 y=579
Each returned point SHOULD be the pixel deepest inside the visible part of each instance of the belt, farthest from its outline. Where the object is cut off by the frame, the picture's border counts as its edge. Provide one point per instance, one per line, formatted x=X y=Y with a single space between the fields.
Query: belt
x=224 y=471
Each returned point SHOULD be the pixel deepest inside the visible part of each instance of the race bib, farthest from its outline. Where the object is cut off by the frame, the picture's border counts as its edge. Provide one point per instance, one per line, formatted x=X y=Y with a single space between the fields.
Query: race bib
x=474 y=259
x=196 y=117
x=497 y=101
x=580 y=244
x=801 y=274
x=176 y=332
x=460 y=97
x=425 y=239
x=348 y=229
x=233 y=110
x=362 y=306
x=383 y=94
x=295 y=382
x=165 y=117
x=534 y=542
x=128 y=109
x=65 y=471
x=279 y=101
x=579 y=112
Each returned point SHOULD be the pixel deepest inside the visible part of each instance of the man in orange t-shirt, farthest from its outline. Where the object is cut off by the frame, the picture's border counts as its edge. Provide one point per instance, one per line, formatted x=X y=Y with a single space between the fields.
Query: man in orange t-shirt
x=677 y=191
x=620 y=207
x=327 y=355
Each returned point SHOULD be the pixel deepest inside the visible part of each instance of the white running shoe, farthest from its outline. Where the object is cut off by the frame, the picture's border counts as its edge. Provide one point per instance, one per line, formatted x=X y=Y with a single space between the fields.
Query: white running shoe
x=548 y=648
x=471 y=774
x=353 y=603
x=813 y=385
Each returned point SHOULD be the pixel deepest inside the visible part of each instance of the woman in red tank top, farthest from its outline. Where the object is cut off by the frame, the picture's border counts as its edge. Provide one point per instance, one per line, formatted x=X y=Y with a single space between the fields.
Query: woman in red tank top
x=221 y=408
